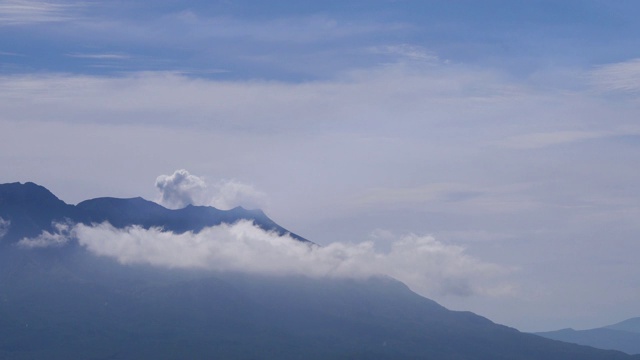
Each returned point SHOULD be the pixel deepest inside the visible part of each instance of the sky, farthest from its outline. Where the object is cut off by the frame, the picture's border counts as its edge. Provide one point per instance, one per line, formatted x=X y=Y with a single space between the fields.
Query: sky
x=503 y=133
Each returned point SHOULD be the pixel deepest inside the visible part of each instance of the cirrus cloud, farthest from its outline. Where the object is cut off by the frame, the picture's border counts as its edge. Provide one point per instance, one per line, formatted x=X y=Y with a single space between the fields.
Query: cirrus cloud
x=618 y=77
x=20 y=12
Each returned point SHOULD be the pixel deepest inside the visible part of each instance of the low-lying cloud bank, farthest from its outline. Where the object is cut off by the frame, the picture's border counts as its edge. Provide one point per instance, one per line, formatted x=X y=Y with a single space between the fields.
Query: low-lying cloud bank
x=61 y=236
x=425 y=264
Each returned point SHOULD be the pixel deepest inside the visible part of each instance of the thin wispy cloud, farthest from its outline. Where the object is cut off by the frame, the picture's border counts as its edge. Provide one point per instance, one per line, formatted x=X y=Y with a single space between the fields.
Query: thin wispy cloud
x=229 y=193
x=6 y=53
x=101 y=56
x=412 y=96
x=20 y=12
x=182 y=188
x=4 y=227
x=299 y=29
x=407 y=51
x=543 y=140
x=460 y=198
x=420 y=194
x=618 y=77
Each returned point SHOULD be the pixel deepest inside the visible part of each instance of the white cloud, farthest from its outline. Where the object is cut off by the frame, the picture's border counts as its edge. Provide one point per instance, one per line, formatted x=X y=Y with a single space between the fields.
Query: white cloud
x=61 y=236
x=4 y=227
x=428 y=266
x=407 y=51
x=106 y=56
x=182 y=188
x=16 y=12
x=231 y=193
x=363 y=100
x=425 y=264
x=619 y=77
x=292 y=29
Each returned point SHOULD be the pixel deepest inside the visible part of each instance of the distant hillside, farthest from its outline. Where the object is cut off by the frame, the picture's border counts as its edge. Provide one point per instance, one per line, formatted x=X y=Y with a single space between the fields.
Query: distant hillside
x=623 y=336
x=631 y=325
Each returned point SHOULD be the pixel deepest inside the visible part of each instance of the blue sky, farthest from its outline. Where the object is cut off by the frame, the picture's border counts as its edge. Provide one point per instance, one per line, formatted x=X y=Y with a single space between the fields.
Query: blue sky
x=505 y=128
x=298 y=41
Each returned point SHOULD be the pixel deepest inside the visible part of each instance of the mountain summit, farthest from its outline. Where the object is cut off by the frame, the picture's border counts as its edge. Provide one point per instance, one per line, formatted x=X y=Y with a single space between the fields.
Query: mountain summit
x=31 y=209
x=76 y=305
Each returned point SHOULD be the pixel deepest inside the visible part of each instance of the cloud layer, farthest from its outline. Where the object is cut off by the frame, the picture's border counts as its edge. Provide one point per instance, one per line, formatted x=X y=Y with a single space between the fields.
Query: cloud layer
x=425 y=264
x=19 y=12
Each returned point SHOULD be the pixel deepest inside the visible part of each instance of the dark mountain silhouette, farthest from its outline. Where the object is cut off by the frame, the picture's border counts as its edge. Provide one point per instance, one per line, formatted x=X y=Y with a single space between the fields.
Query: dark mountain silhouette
x=31 y=209
x=623 y=336
x=138 y=211
x=65 y=303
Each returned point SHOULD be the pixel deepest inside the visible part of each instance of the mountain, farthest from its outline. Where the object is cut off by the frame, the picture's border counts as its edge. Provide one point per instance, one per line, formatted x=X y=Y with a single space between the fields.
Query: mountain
x=66 y=303
x=630 y=325
x=623 y=336
x=32 y=209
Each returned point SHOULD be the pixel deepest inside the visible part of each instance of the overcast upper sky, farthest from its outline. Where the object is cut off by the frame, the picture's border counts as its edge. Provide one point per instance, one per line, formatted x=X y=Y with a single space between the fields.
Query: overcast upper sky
x=507 y=130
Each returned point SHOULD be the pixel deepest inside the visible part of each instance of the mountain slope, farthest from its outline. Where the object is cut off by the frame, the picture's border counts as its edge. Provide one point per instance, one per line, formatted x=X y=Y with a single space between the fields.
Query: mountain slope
x=32 y=209
x=66 y=303
x=78 y=306
x=623 y=336
x=631 y=325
